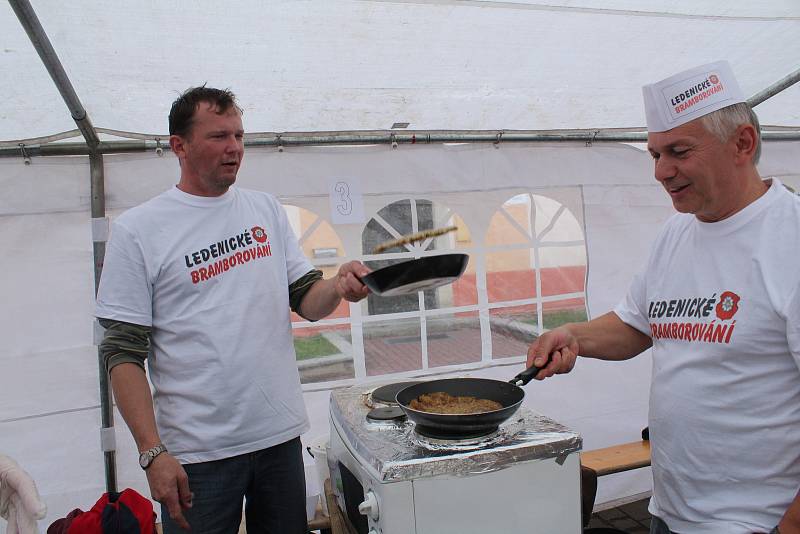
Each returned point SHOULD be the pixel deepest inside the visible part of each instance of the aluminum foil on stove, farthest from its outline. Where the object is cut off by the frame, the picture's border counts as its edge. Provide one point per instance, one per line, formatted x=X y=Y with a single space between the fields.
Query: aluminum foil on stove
x=395 y=452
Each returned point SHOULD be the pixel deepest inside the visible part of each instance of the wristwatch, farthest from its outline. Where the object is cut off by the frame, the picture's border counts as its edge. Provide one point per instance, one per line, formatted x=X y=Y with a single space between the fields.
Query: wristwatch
x=146 y=458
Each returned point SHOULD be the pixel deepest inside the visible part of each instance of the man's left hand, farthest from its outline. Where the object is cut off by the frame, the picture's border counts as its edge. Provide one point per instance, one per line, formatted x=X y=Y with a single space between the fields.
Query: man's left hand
x=347 y=283
x=790 y=522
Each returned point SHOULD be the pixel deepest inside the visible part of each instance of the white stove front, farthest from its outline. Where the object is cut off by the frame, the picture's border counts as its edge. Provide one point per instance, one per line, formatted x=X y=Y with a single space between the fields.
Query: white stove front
x=534 y=496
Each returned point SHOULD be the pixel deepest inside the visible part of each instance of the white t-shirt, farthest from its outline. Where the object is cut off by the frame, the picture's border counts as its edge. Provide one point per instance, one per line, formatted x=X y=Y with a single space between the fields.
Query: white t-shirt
x=211 y=276
x=721 y=302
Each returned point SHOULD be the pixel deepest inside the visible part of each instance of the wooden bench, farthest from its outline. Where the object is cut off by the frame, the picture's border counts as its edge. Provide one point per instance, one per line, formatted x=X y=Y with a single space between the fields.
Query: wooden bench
x=599 y=462
x=617 y=458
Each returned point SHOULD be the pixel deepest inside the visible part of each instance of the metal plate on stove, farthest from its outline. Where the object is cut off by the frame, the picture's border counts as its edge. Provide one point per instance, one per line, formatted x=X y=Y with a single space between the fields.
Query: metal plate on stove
x=386 y=394
x=386 y=413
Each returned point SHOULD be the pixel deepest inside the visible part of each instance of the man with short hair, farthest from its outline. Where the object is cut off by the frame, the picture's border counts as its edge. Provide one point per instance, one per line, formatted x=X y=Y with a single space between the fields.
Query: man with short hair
x=201 y=278
x=719 y=303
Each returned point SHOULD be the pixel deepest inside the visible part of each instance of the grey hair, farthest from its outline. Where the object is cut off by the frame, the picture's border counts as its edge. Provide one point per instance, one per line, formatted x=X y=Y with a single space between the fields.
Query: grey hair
x=723 y=123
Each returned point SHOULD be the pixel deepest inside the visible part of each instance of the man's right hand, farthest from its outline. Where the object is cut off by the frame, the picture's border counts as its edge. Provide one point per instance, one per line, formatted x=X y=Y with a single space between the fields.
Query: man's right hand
x=606 y=338
x=554 y=351
x=169 y=485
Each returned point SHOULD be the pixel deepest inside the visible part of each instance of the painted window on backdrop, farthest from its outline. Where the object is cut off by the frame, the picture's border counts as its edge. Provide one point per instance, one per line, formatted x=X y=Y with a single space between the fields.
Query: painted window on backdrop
x=324 y=350
x=535 y=270
x=427 y=329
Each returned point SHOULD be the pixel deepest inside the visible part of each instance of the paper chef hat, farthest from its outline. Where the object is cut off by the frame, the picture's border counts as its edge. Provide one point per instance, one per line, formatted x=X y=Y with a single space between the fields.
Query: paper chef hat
x=690 y=94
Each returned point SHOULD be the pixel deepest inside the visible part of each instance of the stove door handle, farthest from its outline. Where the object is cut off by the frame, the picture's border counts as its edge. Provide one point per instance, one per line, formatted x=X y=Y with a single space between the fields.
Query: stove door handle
x=370 y=506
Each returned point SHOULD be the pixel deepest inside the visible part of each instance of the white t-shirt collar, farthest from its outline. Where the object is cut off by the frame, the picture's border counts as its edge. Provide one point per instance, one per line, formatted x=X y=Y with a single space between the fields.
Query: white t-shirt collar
x=196 y=200
x=742 y=217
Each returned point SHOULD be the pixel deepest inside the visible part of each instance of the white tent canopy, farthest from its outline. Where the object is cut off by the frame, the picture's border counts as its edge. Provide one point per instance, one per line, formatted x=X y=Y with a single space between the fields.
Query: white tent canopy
x=364 y=65
x=319 y=66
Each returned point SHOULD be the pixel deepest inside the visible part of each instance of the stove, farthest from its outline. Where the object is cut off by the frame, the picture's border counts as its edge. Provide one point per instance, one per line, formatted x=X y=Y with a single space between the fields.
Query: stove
x=389 y=479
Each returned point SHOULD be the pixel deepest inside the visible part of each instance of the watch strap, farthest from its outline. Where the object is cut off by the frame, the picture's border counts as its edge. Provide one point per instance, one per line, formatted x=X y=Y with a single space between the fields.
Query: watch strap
x=146 y=457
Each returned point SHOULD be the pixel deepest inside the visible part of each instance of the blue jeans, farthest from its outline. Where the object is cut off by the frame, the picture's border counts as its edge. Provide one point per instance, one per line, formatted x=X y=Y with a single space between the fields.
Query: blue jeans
x=270 y=481
x=657 y=526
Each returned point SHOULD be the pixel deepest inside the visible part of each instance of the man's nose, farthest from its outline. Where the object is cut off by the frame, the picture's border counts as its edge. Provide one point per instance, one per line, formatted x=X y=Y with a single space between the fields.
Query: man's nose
x=664 y=169
x=234 y=144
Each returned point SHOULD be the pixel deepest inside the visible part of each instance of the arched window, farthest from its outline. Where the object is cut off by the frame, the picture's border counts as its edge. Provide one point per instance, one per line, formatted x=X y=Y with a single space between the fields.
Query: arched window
x=535 y=271
x=426 y=329
x=324 y=350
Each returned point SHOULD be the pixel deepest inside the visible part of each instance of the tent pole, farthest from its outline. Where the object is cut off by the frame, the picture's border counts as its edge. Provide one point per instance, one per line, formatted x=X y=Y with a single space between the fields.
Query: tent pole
x=107 y=437
x=47 y=53
x=12 y=149
x=774 y=89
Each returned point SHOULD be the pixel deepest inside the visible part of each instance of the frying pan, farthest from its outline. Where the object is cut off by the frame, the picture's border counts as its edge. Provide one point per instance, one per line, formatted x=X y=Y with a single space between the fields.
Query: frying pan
x=416 y=275
x=460 y=426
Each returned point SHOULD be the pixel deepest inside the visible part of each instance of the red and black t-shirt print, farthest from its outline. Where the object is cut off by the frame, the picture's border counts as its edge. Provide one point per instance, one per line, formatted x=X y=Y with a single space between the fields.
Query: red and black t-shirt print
x=221 y=256
x=695 y=319
x=728 y=305
x=259 y=234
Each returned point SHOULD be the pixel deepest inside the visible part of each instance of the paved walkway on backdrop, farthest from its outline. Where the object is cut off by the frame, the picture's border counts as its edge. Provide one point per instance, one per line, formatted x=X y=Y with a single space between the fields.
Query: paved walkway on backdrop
x=459 y=345
x=395 y=352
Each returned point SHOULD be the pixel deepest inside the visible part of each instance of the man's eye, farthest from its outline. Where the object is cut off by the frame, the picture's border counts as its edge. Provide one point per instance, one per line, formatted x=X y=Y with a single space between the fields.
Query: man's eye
x=680 y=151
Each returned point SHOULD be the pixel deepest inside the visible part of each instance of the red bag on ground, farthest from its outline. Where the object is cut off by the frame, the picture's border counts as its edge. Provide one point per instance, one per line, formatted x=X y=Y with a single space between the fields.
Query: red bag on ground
x=114 y=513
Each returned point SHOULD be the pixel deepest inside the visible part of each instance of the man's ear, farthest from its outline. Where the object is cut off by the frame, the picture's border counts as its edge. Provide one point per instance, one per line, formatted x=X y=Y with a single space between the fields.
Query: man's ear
x=178 y=146
x=746 y=139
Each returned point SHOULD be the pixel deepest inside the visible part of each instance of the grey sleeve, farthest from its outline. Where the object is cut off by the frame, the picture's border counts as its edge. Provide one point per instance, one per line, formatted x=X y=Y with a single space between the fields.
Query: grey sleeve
x=124 y=343
x=300 y=287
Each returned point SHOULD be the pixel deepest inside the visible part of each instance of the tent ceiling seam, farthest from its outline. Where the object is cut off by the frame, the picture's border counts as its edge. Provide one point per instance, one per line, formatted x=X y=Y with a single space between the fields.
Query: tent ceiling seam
x=579 y=9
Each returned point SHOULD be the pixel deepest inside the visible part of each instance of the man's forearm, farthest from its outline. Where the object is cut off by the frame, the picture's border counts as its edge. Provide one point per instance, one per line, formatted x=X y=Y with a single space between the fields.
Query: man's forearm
x=135 y=403
x=608 y=338
x=320 y=300
x=324 y=295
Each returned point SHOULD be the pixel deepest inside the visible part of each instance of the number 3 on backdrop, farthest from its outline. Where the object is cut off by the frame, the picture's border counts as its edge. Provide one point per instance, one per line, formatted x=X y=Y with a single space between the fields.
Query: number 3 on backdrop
x=347 y=205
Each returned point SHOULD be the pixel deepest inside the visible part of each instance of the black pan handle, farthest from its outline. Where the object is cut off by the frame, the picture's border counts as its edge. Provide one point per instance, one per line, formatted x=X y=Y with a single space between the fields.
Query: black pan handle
x=525 y=376
x=528 y=374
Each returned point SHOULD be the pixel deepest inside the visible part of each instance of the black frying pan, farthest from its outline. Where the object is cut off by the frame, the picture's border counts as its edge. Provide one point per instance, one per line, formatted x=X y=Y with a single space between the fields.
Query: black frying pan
x=416 y=275
x=457 y=426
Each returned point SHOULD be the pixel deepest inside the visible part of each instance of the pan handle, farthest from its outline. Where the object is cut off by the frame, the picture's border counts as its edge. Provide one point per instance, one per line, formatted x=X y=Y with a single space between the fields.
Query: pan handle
x=525 y=376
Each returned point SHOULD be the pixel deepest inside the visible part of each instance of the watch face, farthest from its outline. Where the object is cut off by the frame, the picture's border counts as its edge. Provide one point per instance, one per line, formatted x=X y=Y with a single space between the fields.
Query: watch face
x=147 y=457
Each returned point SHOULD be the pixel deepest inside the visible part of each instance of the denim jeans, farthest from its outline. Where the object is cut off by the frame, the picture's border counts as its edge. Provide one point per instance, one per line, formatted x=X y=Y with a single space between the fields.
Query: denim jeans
x=270 y=481
x=657 y=526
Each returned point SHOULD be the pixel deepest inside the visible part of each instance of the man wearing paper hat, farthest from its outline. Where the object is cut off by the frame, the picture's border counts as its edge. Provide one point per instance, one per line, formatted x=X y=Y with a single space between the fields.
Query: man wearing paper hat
x=719 y=303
